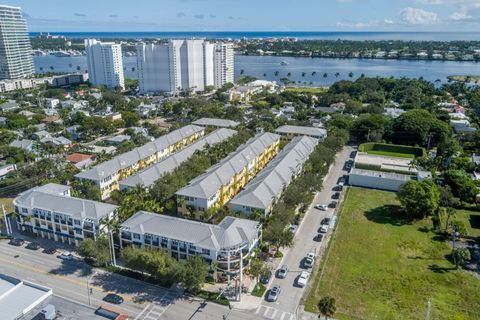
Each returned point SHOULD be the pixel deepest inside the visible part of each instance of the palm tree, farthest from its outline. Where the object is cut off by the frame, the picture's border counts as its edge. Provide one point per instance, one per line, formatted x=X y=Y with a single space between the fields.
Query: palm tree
x=242 y=71
x=289 y=74
x=325 y=75
x=337 y=74
x=78 y=68
x=303 y=74
x=264 y=75
x=276 y=73
x=314 y=73
x=327 y=307
x=112 y=226
x=52 y=68
x=41 y=68
x=350 y=74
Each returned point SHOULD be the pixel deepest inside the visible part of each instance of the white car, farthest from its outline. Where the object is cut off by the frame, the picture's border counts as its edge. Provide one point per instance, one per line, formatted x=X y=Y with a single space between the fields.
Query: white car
x=324 y=228
x=302 y=279
x=322 y=207
x=309 y=260
x=66 y=255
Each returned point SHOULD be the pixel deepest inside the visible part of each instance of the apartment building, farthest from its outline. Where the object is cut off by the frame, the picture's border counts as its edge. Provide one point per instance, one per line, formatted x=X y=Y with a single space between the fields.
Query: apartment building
x=150 y=175
x=215 y=123
x=51 y=212
x=183 y=65
x=107 y=175
x=225 y=179
x=289 y=132
x=105 y=63
x=263 y=192
x=16 y=60
x=229 y=244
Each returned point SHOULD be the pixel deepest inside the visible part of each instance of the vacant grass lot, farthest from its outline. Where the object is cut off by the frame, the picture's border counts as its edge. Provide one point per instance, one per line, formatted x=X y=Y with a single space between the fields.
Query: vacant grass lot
x=392 y=154
x=312 y=90
x=471 y=220
x=382 y=267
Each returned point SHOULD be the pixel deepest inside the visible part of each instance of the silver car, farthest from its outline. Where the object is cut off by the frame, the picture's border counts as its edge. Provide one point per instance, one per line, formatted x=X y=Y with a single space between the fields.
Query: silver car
x=282 y=272
x=273 y=293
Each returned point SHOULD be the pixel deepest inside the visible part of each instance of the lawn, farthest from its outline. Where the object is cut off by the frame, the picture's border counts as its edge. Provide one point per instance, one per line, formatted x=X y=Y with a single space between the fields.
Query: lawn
x=382 y=267
x=471 y=220
x=312 y=90
x=392 y=154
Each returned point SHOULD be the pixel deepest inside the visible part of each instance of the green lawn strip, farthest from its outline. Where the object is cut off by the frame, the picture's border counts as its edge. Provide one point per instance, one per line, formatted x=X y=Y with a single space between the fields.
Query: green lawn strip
x=392 y=154
x=381 y=267
x=259 y=290
x=471 y=220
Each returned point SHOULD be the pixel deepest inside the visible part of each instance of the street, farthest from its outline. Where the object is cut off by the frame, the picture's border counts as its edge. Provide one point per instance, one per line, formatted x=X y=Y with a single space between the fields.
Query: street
x=285 y=308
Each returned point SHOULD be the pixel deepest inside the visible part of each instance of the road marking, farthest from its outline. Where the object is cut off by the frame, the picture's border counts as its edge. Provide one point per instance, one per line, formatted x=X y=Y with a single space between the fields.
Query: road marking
x=292 y=317
x=283 y=315
x=143 y=311
x=258 y=309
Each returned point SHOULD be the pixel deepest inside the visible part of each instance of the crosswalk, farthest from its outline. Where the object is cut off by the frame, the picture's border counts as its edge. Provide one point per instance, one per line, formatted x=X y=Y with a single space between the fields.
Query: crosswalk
x=156 y=309
x=274 y=314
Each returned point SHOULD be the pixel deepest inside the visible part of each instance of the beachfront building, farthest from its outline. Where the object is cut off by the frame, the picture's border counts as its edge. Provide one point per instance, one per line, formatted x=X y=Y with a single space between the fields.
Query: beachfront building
x=105 y=64
x=288 y=132
x=51 y=212
x=224 y=180
x=263 y=192
x=180 y=65
x=228 y=245
x=107 y=175
x=147 y=177
x=16 y=60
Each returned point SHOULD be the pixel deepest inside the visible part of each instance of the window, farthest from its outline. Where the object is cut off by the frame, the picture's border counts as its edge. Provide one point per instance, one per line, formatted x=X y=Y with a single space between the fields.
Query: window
x=136 y=236
x=77 y=222
x=24 y=210
x=205 y=251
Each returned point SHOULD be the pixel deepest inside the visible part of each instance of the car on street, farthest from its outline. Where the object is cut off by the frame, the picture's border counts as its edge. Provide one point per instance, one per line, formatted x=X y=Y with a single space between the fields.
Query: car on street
x=282 y=272
x=66 y=255
x=322 y=207
x=326 y=221
x=318 y=237
x=336 y=195
x=33 y=246
x=341 y=181
x=293 y=228
x=113 y=298
x=323 y=228
x=333 y=204
x=303 y=278
x=353 y=154
x=309 y=260
x=265 y=278
x=17 y=242
x=50 y=250
x=273 y=293
x=339 y=188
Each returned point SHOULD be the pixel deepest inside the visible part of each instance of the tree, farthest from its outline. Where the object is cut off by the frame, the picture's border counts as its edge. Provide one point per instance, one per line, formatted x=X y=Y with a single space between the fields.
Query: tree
x=97 y=250
x=278 y=235
x=462 y=185
x=258 y=268
x=193 y=274
x=419 y=199
x=327 y=307
x=460 y=256
x=112 y=226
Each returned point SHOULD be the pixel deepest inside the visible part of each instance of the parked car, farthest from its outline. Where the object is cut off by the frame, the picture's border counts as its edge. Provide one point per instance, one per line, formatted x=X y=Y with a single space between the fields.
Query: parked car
x=302 y=279
x=336 y=195
x=113 y=298
x=318 y=237
x=323 y=228
x=17 y=242
x=33 y=246
x=50 y=251
x=333 y=204
x=66 y=255
x=282 y=272
x=265 y=278
x=326 y=221
x=293 y=228
x=341 y=181
x=353 y=154
x=309 y=260
x=322 y=207
x=273 y=293
x=339 y=188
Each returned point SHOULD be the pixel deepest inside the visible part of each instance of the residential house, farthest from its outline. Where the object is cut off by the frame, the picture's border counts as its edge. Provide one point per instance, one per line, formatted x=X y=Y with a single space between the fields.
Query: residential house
x=51 y=212
x=228 y=245
x=224 y=180
x=80 y=160
x=264 y=191
x=9 y=106
x=28 y=114
x=57 y=142
x=74 y=131
x=23 y=144
x=3 y=121
x=39 y=135
x=107 y=175
x=51 y=103
x=118 y=139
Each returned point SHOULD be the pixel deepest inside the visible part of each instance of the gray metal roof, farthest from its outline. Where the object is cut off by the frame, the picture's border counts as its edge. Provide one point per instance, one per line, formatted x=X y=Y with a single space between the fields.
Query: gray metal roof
x=229 y=233
x=128 y=159
x=308 y=131
x=216 y=122
x=17 y=297
x=380 y=174
x=23 y=144
x=41 y=198
x=271 y=181
x=148 y=176
x=53 y=188
x=207 y=184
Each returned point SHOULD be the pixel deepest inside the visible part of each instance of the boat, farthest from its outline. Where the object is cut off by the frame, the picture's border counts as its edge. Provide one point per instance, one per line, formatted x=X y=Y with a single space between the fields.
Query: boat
x=62 y=54
x=284 y=63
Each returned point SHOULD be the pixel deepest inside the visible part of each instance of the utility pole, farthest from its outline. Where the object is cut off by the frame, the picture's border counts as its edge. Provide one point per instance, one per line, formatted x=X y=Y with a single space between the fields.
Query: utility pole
x=429 y=308
x=9 y=231
x=114 y=260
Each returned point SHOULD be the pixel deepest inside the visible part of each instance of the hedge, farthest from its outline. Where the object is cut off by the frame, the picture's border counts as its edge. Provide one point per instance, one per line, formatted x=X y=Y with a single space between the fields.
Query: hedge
x=392 y=148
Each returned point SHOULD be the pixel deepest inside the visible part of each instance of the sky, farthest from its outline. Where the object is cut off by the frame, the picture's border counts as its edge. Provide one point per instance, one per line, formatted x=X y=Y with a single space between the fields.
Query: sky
x=250 y=15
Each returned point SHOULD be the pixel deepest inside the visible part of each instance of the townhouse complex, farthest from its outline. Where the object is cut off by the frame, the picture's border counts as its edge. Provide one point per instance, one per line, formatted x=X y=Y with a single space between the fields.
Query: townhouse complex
x=107 y=175
x=288 y=132
x=51 y=212
x=225 y=179
x=228 y=244
x=263 y=192
x=148 y=176
x=216 y=123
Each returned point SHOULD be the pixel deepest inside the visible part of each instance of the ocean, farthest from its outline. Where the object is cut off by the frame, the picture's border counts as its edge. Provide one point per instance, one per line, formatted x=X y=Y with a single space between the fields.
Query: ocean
x=416 y=36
